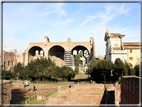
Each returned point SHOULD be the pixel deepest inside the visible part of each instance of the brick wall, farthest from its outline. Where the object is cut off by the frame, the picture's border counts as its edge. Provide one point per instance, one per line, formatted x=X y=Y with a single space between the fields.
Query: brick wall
x=6 y=91
x=130 y=90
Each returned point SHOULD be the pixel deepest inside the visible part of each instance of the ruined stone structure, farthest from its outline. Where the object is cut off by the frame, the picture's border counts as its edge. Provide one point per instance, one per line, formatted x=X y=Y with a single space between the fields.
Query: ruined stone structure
x=9 y=59
x=6 y=91
x=113 y=93
x=130 y=90
x=79 y=94
x=60 y=52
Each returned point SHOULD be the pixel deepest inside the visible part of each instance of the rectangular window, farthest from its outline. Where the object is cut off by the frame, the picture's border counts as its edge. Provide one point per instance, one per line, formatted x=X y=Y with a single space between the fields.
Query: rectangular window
x=4 y=64
x=8 y=63
x=116 y=44
x=130 y=50
x=131 y=58
x=12 y=63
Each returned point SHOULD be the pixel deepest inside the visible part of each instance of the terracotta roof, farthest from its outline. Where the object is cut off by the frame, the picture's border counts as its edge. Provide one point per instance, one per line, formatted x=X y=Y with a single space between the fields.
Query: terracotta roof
x=131 y=43
x=117 y=34
x=116 y=48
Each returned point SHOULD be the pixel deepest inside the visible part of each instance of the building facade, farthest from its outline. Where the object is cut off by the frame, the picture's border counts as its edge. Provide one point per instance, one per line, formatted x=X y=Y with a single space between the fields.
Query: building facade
x=126 y=51
x=133 y=52
x=114 y=46
x=59 y=52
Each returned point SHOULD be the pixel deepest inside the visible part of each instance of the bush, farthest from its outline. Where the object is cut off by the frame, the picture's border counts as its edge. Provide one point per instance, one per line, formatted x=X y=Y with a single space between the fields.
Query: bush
x=136 y=70
x=119 y=80
x=6 y=74
x=119 y=66
x=132 y=71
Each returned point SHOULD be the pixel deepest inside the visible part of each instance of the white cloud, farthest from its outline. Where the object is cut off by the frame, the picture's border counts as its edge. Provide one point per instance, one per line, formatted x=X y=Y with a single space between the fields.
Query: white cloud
x=87 y=20
x=46 y=13
x=65 y=22
x=123 y=10
x=124 y=29
x=59 y=9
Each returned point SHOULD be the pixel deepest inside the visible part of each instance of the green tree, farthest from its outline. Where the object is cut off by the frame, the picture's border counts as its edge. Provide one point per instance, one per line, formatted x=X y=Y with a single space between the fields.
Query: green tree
x=6 y=74
x=18 y=70
x=76 y=63
x=105 y=67
x=120 y=68
x=39 y=68
x=92 y=65
x=129 y=69
x=137 y=70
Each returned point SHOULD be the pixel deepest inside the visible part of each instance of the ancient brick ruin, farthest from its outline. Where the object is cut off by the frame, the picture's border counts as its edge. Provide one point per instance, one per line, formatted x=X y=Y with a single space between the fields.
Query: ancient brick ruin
x=130 y=90
x=6 y=91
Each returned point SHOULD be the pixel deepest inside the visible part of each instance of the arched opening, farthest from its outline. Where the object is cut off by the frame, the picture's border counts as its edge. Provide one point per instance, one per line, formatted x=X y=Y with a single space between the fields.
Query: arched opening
x=80 y=49
x=57 y=51
x=34 y=53
x=74 y=52
x=80 y=52
x=41 y=53
x=83 y=51
x=86 y=53
x=35 y=50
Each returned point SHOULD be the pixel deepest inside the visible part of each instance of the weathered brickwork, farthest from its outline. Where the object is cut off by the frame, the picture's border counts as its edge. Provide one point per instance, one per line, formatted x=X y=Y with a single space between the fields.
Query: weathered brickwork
x=79 y=94
x=6 y=91
x=130 y=90
x=112 y=92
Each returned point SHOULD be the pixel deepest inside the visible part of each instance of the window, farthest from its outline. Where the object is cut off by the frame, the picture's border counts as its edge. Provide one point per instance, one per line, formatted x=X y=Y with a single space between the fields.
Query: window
x=130 y=50
x=8 y=63
x=131 y=58
x=4 y=64
x=116 y=44
x=12 y=63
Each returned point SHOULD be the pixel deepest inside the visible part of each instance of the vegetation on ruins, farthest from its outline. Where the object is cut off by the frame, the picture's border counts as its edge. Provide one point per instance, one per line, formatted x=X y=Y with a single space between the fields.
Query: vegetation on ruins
x=76 y=62
x=104 y=70
x=40 y=69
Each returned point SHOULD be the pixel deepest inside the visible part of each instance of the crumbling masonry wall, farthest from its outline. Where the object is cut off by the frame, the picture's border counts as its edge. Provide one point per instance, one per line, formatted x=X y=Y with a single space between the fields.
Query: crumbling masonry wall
x=6 y=91
x=130 y=90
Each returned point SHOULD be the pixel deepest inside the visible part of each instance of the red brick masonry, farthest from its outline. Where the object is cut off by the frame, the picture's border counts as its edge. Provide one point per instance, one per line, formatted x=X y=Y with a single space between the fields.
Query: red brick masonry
x=130 y=90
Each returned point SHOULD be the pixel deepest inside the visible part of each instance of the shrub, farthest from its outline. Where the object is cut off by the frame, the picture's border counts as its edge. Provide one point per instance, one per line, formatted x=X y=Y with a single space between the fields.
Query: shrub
x=119 y=80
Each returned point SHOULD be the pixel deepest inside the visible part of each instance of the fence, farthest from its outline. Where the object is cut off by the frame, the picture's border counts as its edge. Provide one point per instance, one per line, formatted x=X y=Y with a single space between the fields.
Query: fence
x=29 y=98
x=53 y=81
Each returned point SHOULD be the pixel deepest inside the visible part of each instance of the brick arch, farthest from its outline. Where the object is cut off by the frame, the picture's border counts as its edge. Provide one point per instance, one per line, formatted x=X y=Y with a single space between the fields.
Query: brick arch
x=79 y=47
x=86 y=45
x=57 y=51
x=32 y=50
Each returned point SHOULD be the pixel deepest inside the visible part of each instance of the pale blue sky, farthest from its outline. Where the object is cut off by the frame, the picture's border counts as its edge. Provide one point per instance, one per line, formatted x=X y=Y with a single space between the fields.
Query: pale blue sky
x=31 y=22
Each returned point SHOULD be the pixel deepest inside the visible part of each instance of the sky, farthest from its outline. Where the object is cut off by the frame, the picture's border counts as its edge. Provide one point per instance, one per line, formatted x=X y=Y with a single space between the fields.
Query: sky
x=31 y=22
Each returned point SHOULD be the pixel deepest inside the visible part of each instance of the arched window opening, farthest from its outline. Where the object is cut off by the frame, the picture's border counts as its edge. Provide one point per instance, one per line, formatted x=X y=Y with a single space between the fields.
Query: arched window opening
x=41 y=53
x=36 y=52
x=86 y=53
x=75 y=52
x=80 y=52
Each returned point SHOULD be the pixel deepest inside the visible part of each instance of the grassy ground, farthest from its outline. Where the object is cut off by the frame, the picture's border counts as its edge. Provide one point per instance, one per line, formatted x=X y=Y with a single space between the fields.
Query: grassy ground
x=34 y=101
x=80 y=76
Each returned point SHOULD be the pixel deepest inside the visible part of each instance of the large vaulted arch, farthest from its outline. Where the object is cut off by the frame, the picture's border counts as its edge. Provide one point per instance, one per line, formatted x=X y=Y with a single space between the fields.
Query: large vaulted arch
x=78 y=49
x=57 y=51
x=35 y=49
